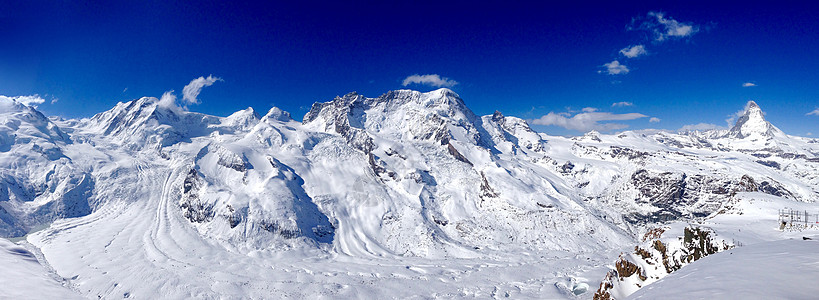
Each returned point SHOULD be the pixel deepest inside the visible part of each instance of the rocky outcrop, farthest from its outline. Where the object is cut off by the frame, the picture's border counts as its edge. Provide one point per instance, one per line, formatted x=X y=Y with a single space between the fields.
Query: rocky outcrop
x=657 y=256
x=193 y=208
x=674 y=196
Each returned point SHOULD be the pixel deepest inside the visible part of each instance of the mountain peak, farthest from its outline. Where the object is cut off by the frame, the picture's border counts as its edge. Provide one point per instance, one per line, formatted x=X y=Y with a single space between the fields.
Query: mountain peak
x=752 y=123
x=497 y=117
x=276 y=113
x=752 y=104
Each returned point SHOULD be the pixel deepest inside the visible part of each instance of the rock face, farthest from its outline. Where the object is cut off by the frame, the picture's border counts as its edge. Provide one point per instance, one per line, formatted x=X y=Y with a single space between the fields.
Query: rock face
x=674 y=196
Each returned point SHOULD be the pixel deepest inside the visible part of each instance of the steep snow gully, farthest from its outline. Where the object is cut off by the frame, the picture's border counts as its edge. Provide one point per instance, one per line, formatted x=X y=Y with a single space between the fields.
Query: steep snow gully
x=408 y=194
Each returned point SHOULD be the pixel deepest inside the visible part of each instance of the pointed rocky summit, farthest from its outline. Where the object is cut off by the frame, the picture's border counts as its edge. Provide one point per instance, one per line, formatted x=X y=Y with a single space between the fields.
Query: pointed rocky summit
x=752 y=123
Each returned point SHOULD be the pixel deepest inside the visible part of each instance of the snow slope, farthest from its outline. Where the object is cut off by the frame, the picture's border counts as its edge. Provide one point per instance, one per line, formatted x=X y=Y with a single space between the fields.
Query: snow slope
x=750 y=220
x=407 y=194
x=24 y=278
x=784 y=269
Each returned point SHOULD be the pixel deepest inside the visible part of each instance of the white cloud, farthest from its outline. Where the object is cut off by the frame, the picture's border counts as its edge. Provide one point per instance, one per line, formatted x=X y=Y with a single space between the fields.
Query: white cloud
x=701 y=127
x=434 y=80
x=55 y=100
x=168 y=101
x=191 y=91
x=614 y=68
x=815 y=112
x=633 y=51
x=748 y=84
x=621 y=104
x=589 y=109
x=31 y=100
x=587 y=121
x=654 y=120
x=663 y=28
x=124 y=90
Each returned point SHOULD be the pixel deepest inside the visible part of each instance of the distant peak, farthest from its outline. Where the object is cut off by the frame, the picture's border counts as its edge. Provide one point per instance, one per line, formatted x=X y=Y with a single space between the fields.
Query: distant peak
x=497 y=116
x=245 y=113
x=752 y=122
x=751 y=104
x=592 y=135
x=147 y=100
x=276 y=113
x=445 y=91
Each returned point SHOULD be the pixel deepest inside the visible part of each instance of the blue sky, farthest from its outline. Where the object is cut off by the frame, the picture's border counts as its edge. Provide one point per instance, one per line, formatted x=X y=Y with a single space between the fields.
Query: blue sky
x=546 y=63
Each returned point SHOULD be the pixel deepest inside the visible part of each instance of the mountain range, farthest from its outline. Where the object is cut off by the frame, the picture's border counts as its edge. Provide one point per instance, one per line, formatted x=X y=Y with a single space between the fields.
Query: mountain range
x=363 y=196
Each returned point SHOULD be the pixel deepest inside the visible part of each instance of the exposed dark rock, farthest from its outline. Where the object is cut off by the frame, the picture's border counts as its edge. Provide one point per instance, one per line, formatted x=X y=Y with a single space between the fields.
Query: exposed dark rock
x=454 y=152
x=631 y=154
x=284 y=231
x=193 y=208
x=663 y=190
x=626 y=268
x=567 y=167
x=234 y=219
x=486 y=189
x=677 y=195
x=377 y=168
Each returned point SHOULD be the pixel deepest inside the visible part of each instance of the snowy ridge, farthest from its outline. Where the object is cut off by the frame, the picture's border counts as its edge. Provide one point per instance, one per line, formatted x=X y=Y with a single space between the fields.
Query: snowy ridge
x=400 y=189
x=38 y=181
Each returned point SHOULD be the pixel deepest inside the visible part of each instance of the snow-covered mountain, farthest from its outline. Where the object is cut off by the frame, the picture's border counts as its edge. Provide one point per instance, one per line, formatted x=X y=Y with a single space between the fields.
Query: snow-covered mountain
x=408 y=187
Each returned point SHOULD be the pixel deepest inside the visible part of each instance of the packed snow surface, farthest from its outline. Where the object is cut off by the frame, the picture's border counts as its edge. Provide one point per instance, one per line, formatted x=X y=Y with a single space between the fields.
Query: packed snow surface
x=784 y=269
x=405 y=195
x=24 y=278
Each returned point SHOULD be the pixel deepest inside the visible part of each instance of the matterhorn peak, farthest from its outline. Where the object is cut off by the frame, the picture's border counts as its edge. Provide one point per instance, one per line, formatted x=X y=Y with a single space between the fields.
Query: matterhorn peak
x=752 y=123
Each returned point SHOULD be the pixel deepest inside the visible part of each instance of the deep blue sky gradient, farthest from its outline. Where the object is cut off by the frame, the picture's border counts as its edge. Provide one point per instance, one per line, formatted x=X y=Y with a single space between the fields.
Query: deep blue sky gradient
x=525 y=60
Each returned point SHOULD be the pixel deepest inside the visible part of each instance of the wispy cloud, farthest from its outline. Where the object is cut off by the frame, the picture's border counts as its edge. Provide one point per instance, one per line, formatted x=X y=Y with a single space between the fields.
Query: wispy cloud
x=191 y=91
x=654 y=120
x=815 y=112
x=31 y=100
x=621 y=104
x=168 y=100
x=701 y=127
x=587 y=121
x=663 y=28
x=433 y=80
x=633 y=51
x=748 y=84
x=614 y=68
x=589 y=109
